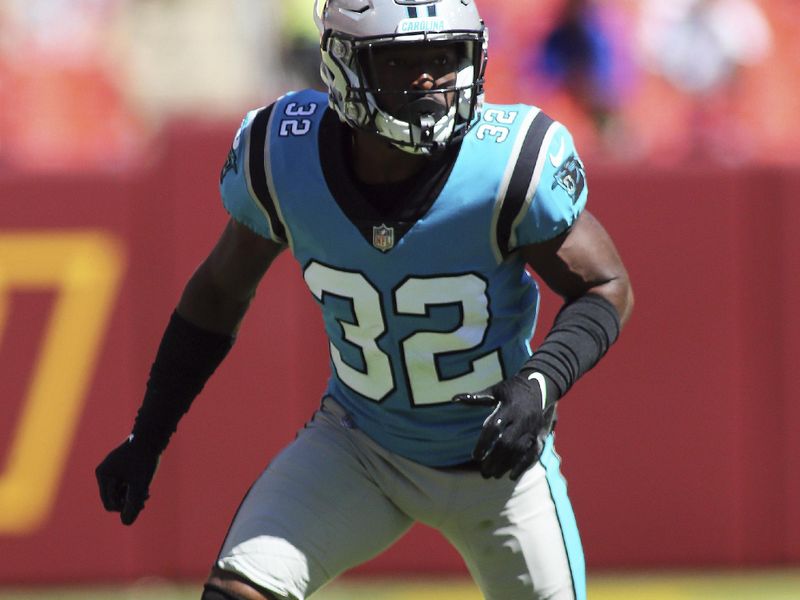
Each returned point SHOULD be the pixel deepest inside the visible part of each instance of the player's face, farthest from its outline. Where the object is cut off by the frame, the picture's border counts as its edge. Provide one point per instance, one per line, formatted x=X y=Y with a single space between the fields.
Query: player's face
x=403 y=72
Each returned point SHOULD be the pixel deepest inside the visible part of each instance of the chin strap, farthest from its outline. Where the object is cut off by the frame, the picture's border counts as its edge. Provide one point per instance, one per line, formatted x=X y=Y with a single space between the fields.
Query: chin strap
x=426 y=126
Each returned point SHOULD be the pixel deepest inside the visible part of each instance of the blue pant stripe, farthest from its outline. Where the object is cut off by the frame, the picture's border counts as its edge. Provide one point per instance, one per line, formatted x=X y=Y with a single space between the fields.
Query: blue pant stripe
x=566 y=518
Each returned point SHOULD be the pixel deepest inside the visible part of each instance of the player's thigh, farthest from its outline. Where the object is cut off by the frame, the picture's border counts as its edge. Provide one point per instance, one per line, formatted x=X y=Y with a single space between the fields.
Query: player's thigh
x=313 y=513
x=520 y=540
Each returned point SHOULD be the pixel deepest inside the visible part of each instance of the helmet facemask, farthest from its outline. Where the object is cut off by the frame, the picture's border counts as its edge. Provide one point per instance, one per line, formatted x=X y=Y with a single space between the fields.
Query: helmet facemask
x=419 y=121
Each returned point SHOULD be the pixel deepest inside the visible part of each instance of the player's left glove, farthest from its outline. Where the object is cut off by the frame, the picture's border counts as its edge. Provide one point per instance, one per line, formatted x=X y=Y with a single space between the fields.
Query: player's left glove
x=513 y=435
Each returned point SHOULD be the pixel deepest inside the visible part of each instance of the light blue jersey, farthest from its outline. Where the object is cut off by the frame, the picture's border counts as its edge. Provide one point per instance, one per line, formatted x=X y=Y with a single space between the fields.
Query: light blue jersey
x=417 y=312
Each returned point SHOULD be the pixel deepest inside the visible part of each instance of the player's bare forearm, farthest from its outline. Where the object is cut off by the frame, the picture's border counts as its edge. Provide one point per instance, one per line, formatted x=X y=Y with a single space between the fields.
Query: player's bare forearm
x=619 y=293
x=584 y=261
x=219 y=292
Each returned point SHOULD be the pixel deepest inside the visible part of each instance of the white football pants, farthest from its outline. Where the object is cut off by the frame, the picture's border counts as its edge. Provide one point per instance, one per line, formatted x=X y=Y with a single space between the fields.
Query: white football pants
x=333 y=499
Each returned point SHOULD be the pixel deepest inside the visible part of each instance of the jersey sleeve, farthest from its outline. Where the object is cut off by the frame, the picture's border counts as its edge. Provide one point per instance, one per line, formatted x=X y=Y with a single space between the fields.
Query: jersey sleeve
x=557 y=191
x=243 y=182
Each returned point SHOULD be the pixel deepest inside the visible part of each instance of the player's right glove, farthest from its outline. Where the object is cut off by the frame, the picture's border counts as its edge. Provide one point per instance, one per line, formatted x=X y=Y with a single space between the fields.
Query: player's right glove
x=124 y=478
x=186 y=358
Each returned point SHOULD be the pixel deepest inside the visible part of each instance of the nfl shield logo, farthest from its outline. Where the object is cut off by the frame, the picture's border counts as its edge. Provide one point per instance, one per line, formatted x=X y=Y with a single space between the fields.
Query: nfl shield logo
x=383 y=237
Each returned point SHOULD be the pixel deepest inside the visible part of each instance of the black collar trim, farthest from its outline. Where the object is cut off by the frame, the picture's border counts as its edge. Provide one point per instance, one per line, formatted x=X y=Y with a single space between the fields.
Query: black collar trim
x=396 y=205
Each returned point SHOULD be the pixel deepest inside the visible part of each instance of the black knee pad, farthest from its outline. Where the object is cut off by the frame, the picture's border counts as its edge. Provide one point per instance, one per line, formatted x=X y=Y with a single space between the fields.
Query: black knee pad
x=212 y=592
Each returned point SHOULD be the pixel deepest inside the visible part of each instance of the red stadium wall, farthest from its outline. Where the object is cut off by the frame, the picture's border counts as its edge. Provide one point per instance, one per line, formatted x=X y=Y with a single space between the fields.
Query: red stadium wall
x=680 y=448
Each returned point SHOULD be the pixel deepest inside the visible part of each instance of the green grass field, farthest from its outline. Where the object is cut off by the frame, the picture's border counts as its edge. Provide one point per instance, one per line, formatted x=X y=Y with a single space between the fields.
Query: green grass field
x=764 y=585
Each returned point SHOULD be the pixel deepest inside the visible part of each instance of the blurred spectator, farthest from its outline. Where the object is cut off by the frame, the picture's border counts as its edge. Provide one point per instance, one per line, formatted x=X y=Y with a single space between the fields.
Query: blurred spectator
x=577 y=55
x=700 y=47
x=585 y=55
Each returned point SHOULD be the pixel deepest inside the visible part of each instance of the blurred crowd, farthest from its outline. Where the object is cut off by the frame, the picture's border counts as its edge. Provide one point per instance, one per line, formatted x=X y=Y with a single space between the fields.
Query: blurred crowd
x=666 y=82
x=88 y=84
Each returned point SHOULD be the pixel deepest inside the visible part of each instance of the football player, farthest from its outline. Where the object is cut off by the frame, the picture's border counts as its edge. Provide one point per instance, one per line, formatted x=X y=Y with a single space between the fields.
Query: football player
x=414 y=210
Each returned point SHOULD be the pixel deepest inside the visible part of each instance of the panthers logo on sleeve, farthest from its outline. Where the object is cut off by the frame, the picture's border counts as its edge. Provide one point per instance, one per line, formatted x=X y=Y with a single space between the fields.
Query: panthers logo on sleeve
x=231 y=163
x=570 y=176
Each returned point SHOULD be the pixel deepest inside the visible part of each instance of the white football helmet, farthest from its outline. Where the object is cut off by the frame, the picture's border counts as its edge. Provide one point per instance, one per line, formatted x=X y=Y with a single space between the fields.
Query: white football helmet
x=351 y=29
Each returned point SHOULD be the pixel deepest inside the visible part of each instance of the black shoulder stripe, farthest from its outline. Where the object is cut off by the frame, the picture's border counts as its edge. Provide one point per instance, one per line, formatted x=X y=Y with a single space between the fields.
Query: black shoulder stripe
x=521 y=179
x=258 y=173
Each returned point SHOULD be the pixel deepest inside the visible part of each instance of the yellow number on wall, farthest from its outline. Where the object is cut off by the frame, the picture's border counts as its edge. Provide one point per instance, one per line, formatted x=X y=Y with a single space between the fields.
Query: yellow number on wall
x=85 y=268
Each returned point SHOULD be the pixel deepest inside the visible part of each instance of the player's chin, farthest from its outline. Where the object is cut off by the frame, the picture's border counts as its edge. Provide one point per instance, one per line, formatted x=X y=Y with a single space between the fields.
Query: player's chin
x=401 y=107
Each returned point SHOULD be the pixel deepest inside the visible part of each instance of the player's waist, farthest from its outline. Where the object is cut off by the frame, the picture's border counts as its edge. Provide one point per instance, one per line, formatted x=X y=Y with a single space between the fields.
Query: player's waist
x=437 y=443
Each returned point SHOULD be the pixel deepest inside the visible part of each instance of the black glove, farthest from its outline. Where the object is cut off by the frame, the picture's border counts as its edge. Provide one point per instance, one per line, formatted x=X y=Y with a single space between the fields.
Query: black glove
x=513 y=435
x=124 y=478
x=186 y=358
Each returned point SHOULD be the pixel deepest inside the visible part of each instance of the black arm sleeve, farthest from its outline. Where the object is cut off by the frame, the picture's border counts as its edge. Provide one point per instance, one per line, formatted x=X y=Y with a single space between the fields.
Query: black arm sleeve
x=582 y=333
x=186 y=358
